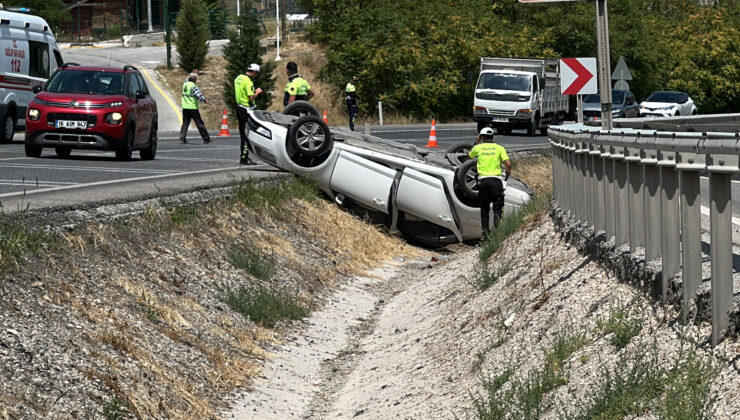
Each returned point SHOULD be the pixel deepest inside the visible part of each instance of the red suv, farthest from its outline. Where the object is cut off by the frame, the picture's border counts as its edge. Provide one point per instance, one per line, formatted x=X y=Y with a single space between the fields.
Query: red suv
x=99 y=108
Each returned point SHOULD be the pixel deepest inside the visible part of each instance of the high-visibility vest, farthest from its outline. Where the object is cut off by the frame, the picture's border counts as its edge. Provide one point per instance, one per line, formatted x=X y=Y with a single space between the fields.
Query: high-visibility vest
x=490 y=157
x=189 y=101
x=243 y=89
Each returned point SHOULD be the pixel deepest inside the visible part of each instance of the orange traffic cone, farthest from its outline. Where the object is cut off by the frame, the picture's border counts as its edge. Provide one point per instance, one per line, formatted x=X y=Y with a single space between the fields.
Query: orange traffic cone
x=326 y=120
x=224 y=126
x=433 y=135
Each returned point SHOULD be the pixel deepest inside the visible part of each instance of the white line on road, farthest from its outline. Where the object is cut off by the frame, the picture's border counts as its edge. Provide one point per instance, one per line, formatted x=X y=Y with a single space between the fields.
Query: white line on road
x=87 y=168
x=32 y=182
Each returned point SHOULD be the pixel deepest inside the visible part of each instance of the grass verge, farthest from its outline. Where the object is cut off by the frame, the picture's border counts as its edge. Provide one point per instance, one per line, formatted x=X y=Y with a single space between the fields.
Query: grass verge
x=624 y=322
x=511 y=223
x=272 y=194
x=263 y=305
x=17 y=239
x=487 y=277
x=253 y=262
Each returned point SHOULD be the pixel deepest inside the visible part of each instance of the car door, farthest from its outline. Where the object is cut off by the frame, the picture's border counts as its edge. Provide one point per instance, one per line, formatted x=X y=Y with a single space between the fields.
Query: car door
x=136 y=110
x=364 y=181
x=425 y=197
x=148 y=106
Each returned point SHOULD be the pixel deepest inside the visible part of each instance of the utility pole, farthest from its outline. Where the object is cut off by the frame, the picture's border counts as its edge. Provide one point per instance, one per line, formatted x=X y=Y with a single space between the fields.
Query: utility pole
x=79 y=34
x=277 y=26
x=138 y=18
x=149 y=15
x=167 y=33
x=605 y=78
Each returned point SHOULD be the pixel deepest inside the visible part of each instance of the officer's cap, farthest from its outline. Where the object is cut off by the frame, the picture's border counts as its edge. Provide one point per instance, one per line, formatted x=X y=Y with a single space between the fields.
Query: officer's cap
x=486 y=131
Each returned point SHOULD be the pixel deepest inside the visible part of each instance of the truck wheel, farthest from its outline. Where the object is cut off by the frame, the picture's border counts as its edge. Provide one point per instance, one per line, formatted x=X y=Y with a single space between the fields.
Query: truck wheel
x=300 y=108
x=533 y=126
x=310 y=136
x=7 y=126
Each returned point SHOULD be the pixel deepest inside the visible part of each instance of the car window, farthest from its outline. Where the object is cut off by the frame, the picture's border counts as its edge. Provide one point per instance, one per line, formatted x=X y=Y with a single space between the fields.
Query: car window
x=57 y=59
x=683 y=98
x=630 y=98
x=86 y=81
x=504 y=81
x=133 y=85
x=671 y=97
x=142 y=84
x=38 y=63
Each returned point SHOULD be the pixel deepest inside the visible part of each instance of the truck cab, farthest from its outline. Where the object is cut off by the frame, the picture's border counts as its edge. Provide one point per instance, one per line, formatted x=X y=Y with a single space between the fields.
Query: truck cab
x=518 y=93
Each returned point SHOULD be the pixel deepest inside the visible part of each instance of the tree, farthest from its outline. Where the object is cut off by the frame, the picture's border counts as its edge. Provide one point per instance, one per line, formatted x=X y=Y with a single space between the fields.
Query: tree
x=192 y=34
x=242 y=50
x=52 y=11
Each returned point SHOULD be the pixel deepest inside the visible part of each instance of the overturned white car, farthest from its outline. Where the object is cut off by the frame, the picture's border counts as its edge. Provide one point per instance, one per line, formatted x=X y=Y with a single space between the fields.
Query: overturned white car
x=425 y=195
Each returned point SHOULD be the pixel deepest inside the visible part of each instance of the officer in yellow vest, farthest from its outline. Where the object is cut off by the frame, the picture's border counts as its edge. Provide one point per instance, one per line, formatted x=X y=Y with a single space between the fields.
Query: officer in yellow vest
x=351 y=99
x=491 y=156
x=190 y=97
x=246 y=98
x=297 y=87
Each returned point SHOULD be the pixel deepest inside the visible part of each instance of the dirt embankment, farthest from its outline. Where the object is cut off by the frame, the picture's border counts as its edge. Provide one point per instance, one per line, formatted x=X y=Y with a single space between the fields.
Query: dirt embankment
x=127 y=315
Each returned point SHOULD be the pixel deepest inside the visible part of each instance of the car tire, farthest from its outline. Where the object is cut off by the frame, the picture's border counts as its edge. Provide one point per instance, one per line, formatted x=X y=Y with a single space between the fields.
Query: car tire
x=33 y=150
x=458 y=153
x=124 y=153
x=301 y=108
x=150 y=152
x=63 y=151
x=7 y=126
x=310 y=136
x=466 y=177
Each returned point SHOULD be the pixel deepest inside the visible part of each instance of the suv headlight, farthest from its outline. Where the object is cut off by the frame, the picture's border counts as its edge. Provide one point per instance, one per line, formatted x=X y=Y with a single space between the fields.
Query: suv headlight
x=34 y=114
x=114 y=118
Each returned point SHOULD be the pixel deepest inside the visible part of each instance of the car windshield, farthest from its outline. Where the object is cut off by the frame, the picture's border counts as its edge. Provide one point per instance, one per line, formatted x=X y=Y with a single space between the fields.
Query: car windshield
x=86 y=81
x=617 y=98
x=664 y=97
x=504 y=81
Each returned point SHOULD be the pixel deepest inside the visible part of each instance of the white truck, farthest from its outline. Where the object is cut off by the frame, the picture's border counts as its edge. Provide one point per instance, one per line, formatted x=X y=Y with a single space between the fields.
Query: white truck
x=518 y=93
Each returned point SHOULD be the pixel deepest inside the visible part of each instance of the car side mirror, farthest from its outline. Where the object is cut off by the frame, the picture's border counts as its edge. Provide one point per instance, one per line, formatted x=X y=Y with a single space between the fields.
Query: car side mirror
x=36 y=89
x=140 y=94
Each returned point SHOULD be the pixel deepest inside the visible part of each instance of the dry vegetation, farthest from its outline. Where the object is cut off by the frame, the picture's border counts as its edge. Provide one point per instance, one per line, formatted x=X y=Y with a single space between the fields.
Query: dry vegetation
x=133 y=316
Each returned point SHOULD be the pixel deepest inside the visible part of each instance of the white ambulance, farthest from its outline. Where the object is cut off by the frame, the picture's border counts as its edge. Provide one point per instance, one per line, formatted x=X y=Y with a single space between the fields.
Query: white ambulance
x=28 y=55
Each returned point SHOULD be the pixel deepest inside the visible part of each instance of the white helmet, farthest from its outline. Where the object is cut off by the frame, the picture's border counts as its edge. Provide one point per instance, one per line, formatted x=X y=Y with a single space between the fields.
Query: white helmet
x=486 y=131
x=253 y=67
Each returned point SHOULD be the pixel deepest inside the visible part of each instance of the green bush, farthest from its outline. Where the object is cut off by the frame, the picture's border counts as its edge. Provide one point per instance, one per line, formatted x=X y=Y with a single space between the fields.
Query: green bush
x=624 y=322
x=264 y=306
x=17 y=240
x=253 y=262
x=192 y=34
x=511 y=224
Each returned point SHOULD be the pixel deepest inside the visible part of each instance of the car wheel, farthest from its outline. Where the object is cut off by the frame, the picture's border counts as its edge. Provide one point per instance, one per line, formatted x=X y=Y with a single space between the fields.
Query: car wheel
x=310 y=136
x=124 y=153
x=300 y=108
x=7 y=127
x=63 y=151
x=458 y=152
x=33 y=151
x=467 y=178
x=151 y=150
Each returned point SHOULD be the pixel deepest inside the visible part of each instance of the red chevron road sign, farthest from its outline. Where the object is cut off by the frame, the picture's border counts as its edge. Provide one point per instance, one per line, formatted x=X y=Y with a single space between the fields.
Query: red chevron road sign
x=577 y=76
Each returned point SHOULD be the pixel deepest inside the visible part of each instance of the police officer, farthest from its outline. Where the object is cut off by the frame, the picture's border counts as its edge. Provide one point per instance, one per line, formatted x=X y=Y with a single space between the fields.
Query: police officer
x=246 y=98
x=190 y=97
x=351 y=99
x=297 y=87
x=490 y=177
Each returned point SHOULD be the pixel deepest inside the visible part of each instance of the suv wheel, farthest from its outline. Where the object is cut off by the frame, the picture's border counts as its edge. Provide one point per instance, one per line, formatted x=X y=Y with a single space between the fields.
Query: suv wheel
x=33 y=151
x=310 y=136
x=63 y=151
x=7 y=127
x=124 y=153
x=151 y=150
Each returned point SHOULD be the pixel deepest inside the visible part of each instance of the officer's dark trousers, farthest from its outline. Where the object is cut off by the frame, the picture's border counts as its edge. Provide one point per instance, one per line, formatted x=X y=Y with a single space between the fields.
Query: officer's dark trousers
x=193 y=114
x=242 y=116
x=352 y=110
x=490 y=191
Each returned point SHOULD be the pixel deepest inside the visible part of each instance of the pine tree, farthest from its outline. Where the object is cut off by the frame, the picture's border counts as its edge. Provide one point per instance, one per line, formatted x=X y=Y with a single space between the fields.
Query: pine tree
x=192 y=34
x=242 y=50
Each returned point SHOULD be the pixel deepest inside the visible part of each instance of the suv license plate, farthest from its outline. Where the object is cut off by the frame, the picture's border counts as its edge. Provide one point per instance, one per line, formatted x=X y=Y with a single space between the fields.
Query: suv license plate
x=71 y=124
x=499 y=119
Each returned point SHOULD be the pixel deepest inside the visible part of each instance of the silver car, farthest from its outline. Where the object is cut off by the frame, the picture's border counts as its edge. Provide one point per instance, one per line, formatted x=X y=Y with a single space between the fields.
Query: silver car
x=426 y=195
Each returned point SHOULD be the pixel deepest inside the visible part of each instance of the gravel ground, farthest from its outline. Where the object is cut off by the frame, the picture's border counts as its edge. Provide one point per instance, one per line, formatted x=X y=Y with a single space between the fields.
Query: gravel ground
x=412 y=340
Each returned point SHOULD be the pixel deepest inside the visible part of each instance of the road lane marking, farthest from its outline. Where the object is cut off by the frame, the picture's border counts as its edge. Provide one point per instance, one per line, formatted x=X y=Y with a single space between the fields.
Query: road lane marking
x=32 y=182
x=89 y=168
x=195 y=159
x=116 y=181
x=166 y=97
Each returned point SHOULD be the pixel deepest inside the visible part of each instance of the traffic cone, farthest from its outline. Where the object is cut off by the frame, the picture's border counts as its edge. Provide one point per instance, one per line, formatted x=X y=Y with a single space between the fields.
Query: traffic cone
x=433 y=135
x=224 y=126
x=326 y=120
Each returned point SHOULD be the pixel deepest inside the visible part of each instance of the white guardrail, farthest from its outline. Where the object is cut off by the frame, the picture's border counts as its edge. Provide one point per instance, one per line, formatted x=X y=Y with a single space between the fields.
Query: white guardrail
x=638 y=185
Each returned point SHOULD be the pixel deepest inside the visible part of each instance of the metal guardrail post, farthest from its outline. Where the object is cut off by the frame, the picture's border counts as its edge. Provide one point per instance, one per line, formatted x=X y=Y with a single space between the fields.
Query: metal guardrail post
x=690 y=165
x=597 y=162
x=671 y=238
x=653 y=225
x=582 y=205
x=607 y=192
x=572 y=179
x=589 y=186
x=636 y=197
x=621 y=194
x=722 y=162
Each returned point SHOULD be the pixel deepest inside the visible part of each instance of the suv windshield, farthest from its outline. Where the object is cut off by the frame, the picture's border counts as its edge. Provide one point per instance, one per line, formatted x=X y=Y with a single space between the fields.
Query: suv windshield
x=663 y=97
x=86 y=81
x=617 y=98
x=504 y=81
